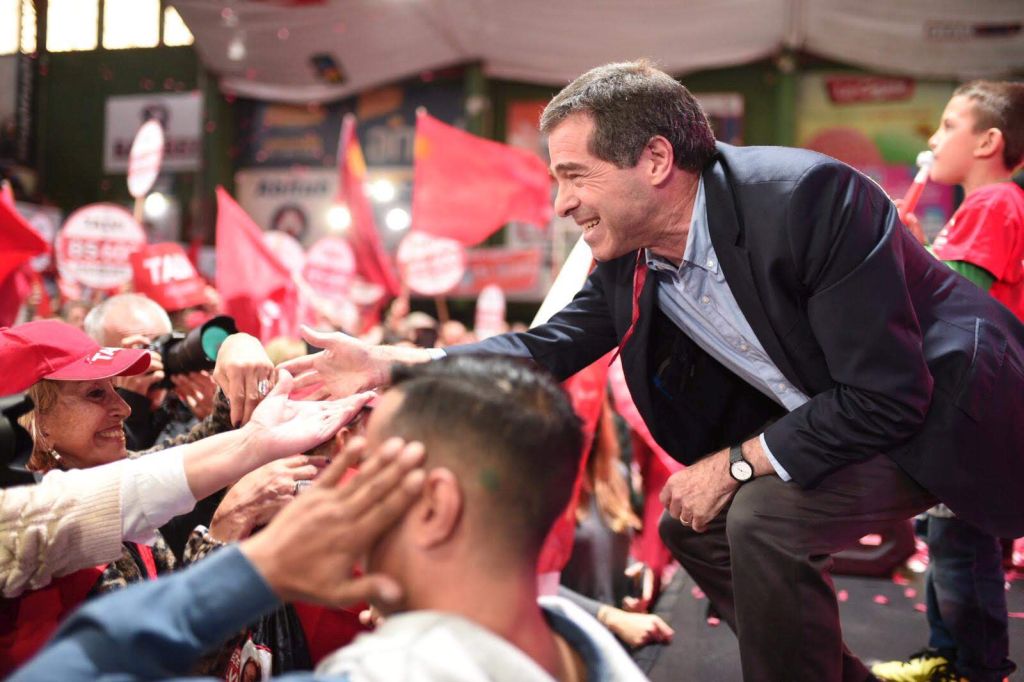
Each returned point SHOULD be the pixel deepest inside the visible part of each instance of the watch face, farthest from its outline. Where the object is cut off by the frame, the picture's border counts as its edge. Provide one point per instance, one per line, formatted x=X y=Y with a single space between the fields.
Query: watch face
x=741 y=471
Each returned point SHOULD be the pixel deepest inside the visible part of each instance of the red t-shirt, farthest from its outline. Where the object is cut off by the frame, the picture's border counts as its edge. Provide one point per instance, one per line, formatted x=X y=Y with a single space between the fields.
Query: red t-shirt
x=988 y=231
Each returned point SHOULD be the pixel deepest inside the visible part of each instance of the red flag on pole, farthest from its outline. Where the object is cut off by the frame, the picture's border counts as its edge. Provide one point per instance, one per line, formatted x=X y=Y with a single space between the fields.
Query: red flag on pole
x=19 y=241
x=257 y=288
x=466 y=187
x=372 y=262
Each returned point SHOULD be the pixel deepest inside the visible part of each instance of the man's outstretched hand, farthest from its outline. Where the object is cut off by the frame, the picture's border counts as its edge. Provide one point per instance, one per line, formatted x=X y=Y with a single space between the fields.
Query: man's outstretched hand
x=308 y=551
x=346 y=365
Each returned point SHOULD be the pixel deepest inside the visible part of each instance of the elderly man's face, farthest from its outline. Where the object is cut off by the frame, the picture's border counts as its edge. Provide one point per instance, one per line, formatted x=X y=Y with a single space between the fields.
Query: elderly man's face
x=124 y=322
x=613 y=205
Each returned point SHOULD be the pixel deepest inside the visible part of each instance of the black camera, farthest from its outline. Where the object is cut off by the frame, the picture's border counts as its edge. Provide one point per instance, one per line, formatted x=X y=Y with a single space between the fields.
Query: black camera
x=15 y=442
x=194 y=351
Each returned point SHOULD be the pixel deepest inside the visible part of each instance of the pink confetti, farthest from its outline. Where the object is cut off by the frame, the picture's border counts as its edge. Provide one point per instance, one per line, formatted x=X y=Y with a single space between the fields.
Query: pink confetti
x=881 y=599
x=1016 y=614
x=910 y=593
x=900 y=579
x=843 y=595
x=714 y=622
x=697 y=592
x=871 y=540
x=283 y=33
x=920 y=607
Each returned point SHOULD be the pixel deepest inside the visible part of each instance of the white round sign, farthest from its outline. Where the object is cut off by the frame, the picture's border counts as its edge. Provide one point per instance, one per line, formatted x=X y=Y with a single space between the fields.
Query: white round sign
x=95 y=245
x=330 y=267
x=430 y=265
x=287 y=248
x=145 y=158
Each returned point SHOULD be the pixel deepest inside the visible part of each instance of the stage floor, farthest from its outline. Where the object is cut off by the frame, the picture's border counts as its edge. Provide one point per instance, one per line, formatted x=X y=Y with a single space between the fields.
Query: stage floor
x=873 y=631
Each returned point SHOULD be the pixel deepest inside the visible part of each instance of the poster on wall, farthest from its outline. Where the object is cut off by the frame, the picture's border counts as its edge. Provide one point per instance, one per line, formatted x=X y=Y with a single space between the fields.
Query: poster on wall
x=877 y=124
x=293 y=201
x=179 y=113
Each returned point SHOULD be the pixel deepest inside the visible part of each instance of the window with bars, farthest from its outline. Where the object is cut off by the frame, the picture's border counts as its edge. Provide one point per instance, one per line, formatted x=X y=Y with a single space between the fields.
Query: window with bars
x=75 y=25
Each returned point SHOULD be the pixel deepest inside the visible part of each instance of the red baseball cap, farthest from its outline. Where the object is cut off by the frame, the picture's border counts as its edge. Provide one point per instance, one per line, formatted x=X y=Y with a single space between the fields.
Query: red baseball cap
x=51 y=349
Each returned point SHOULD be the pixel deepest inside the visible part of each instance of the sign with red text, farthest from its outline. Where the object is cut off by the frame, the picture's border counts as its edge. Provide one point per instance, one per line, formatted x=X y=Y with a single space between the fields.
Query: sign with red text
x=145 y=158
x=431 y=266
x=515 y=270
x=164 y=273
x=95 y=245
x=330 y=267
x=490 y=312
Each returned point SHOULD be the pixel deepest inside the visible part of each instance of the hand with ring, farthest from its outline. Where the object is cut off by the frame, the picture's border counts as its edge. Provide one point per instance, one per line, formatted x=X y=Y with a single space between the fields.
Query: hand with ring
x=260 y=494
x=244 y=373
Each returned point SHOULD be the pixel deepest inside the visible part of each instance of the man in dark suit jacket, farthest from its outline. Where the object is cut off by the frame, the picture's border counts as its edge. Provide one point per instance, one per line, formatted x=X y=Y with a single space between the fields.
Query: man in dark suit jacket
x=783 y=335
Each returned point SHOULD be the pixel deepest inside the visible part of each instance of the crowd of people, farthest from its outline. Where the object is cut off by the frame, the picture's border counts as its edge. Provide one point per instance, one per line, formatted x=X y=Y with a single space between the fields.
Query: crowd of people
x=375 y=506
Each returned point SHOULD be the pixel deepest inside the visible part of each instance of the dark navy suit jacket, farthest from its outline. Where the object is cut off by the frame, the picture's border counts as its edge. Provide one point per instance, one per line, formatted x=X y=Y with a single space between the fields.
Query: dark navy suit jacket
x=899 y=354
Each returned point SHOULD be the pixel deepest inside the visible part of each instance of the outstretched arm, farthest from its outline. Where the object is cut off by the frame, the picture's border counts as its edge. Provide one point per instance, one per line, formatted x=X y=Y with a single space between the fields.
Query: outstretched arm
x=157 y=629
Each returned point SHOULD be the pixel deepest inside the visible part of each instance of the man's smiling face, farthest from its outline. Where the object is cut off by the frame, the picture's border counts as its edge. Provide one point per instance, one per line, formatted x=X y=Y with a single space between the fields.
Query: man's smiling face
x=613 y=205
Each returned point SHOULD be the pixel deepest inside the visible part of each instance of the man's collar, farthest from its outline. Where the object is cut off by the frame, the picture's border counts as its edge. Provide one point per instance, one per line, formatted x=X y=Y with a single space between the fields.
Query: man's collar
x=699 y=251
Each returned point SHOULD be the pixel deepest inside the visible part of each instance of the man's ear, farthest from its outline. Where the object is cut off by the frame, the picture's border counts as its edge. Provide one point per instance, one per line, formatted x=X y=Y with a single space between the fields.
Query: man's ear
x=438 y=513
x=990 y=143
x=659 y=159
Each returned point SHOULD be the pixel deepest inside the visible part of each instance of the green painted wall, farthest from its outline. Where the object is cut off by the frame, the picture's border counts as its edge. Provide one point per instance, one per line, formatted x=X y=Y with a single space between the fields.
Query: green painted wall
x=72 y=89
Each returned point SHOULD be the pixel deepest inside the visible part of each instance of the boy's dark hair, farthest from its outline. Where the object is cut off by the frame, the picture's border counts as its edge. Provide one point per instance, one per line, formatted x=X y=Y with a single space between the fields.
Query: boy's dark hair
x=999 y=104
x=631 y=102
x=507 y=430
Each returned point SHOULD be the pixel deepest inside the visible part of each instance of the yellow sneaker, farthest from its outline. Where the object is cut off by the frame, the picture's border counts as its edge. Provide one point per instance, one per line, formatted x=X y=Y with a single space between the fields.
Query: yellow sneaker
x=926 y=665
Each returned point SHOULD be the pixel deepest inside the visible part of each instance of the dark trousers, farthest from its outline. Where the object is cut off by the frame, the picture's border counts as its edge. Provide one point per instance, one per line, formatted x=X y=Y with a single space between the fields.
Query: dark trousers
x=967 y=599
x=764 y=564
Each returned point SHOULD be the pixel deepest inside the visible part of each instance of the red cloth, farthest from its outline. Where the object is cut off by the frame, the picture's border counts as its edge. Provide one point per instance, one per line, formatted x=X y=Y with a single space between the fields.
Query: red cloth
x=372 y=261
x=26 y=622
x=466 y=187
x=988 y=231
x=586 y=390
x=19 y=242
x=327 y=630
x=257 y=289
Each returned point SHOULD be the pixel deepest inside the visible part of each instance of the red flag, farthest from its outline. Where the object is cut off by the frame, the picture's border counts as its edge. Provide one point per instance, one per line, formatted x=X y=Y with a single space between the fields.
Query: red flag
x=466 y=187
x=19 y=241
x=586 y=390
x=258 y=290
x=372 y=262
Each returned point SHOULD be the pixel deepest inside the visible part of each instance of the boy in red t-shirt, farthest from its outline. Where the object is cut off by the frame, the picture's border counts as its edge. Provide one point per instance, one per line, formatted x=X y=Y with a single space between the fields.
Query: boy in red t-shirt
x=979 y=144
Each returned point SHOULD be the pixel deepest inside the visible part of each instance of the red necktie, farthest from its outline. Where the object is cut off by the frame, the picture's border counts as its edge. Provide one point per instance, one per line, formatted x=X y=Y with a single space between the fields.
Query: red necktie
x=639 y=278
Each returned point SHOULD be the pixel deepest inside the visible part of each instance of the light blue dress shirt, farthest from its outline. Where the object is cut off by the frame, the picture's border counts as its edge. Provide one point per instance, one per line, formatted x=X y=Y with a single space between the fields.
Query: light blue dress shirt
x=696 y=297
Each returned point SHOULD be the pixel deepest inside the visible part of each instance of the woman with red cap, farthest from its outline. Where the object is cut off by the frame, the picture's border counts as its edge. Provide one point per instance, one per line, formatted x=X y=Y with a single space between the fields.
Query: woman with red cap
x=77 y=423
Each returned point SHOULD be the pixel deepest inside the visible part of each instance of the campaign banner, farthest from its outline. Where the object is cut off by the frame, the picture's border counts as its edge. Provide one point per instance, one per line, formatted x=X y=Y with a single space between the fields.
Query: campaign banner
x=431 y=266
x=180 y=114
x=95 y=245
x=164 y=273
x=517 y=271
x=294 y=201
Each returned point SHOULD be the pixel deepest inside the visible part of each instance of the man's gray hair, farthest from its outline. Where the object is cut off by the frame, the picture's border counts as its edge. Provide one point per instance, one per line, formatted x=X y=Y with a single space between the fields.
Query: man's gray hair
x=96 y=319
x=631 y=102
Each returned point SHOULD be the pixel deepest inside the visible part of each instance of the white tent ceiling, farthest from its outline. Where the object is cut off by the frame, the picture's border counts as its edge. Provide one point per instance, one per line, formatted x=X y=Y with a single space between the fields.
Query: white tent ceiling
x=263 y=49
